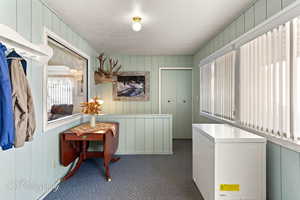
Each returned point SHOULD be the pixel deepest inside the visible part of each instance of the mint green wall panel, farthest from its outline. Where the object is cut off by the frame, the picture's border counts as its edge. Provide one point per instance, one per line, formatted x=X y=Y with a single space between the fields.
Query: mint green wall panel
x=219 y=41
x=240 y=26
x=37 y=22
x=273 y=7
x=122 y=136
x=8 y=14
x=167 y=132
x=140 y=135
x=130 y=135
x=24 y=18
x=274 y=171
x=37 y=163
x=158 y=135
x=55 y=25
x=47 y=17
x=290 y=163
x=232 y=31
x=249 y=19
x=286 y=3
x=226 y=34
x=7 y=172
x=149 y=136
x=140 y=63
x=260 y=11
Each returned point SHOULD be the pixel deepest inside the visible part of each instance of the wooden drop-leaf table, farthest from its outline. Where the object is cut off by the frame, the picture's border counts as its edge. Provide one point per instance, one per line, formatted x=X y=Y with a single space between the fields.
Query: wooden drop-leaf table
x=74 y=144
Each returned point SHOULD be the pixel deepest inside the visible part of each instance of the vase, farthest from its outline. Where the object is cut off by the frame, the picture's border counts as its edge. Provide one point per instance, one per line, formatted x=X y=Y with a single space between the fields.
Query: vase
x=93 y=121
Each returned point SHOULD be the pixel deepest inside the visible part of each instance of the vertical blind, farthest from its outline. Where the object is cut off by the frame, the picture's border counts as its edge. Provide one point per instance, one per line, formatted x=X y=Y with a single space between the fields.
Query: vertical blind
x=224 y=86
x=296 y=79
x=265 y=82
x=206 y=88
x=217 y=87
x=269 y=83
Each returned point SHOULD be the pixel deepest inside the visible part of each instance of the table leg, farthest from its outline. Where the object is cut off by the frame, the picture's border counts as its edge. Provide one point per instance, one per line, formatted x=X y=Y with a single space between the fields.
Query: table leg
x=113 y=160
x=107 y=160
x=82 y=157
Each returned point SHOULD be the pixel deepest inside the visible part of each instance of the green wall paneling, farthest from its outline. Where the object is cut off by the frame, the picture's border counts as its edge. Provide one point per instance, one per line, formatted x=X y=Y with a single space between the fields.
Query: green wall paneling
x=249 y=19
x=140 y=63
x=37 y=163
x=260 y=11
x=273 y=7
x=232 y=31
x=140 y=138
x=149 y=136
x=143 y=134
x=8 y=16
x=273 y=171
x=290 y=166
x=286 y=3
x=240 y=25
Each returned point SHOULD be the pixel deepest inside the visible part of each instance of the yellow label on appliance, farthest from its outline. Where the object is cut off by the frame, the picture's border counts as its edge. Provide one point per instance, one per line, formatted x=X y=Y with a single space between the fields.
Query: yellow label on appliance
x=230 y=187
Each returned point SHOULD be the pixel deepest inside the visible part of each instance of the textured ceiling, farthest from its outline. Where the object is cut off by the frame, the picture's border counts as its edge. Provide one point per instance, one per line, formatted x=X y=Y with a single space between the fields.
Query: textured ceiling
x=170 y=27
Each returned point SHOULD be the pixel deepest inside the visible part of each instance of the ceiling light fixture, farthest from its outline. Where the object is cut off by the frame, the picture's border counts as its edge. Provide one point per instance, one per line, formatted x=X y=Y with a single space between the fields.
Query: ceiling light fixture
x=136 y=23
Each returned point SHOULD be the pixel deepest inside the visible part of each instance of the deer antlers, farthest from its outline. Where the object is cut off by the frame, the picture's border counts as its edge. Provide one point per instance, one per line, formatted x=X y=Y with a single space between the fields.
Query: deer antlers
x=102 y=75
x=113 y=63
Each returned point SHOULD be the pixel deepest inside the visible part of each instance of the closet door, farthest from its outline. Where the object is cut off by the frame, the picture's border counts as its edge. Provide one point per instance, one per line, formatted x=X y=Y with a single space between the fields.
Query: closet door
x=177 y=101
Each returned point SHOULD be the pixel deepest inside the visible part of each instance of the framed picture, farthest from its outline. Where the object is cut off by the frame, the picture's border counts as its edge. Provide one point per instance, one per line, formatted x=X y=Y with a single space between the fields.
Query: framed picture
x=132 y=86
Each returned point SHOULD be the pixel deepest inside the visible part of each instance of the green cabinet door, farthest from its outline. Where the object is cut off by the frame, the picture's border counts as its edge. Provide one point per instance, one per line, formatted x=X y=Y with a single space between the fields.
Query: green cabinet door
x=176 y=91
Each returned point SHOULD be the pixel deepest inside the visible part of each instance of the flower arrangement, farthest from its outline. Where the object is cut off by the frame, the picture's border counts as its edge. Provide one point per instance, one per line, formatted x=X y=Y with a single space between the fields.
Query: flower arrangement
x=93 y=107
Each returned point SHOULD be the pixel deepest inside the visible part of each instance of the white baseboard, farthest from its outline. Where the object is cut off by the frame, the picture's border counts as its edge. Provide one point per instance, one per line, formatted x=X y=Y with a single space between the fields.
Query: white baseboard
x=50 y=190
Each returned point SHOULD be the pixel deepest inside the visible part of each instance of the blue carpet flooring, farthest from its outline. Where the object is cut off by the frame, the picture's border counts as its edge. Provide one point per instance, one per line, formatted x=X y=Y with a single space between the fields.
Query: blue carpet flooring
x=146 y=177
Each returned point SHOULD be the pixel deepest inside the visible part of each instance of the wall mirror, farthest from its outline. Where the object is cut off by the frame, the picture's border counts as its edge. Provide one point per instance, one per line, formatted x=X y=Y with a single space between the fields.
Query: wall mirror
x=66 y=83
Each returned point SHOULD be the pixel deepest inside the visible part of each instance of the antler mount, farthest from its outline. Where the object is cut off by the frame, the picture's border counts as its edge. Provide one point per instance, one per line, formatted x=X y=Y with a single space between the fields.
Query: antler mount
x=103 y=75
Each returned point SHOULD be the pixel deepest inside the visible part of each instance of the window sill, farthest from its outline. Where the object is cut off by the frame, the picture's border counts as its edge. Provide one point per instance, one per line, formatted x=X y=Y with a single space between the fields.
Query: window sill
x=62 y=121
x=272 y=138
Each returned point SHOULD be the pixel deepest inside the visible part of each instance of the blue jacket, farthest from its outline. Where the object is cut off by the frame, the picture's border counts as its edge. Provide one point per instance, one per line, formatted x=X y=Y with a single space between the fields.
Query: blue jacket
x=7 y=129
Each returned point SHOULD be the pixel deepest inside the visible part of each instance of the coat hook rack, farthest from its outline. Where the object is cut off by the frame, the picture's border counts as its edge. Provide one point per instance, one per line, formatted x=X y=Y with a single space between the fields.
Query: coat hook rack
x=13 y=40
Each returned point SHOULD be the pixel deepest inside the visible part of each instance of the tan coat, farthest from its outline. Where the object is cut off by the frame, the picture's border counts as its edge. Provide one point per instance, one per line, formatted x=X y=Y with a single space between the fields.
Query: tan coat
x=22 y=104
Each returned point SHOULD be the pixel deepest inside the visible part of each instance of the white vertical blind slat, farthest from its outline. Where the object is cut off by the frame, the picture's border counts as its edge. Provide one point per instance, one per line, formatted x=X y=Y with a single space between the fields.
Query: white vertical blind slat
x=217 y=87
x=264 y=82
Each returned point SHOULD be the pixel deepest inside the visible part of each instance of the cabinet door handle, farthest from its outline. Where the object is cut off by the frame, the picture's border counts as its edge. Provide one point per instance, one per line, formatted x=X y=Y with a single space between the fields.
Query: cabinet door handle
x=184 y=101
x=169 y=101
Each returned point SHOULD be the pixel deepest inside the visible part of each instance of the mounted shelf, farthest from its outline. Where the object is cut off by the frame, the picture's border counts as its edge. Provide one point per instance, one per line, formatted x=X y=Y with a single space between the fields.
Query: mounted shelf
x=13 y=40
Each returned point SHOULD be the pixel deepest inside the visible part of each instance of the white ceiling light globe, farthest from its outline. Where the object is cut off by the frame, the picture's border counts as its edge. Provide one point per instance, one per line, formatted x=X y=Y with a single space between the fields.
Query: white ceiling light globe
x=136 y=23
x=136 y=26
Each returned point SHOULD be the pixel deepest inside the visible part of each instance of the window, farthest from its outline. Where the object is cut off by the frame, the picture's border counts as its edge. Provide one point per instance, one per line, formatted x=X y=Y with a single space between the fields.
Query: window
x=296 y=79
x=224 y=86
x=206 y=87
x=265 y=82
x=268 y=83
x=217 y=87
x=66 y=82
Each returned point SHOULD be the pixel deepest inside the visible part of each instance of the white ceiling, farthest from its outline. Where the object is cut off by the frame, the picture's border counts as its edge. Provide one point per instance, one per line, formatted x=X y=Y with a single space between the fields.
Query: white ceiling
x=170 y=27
